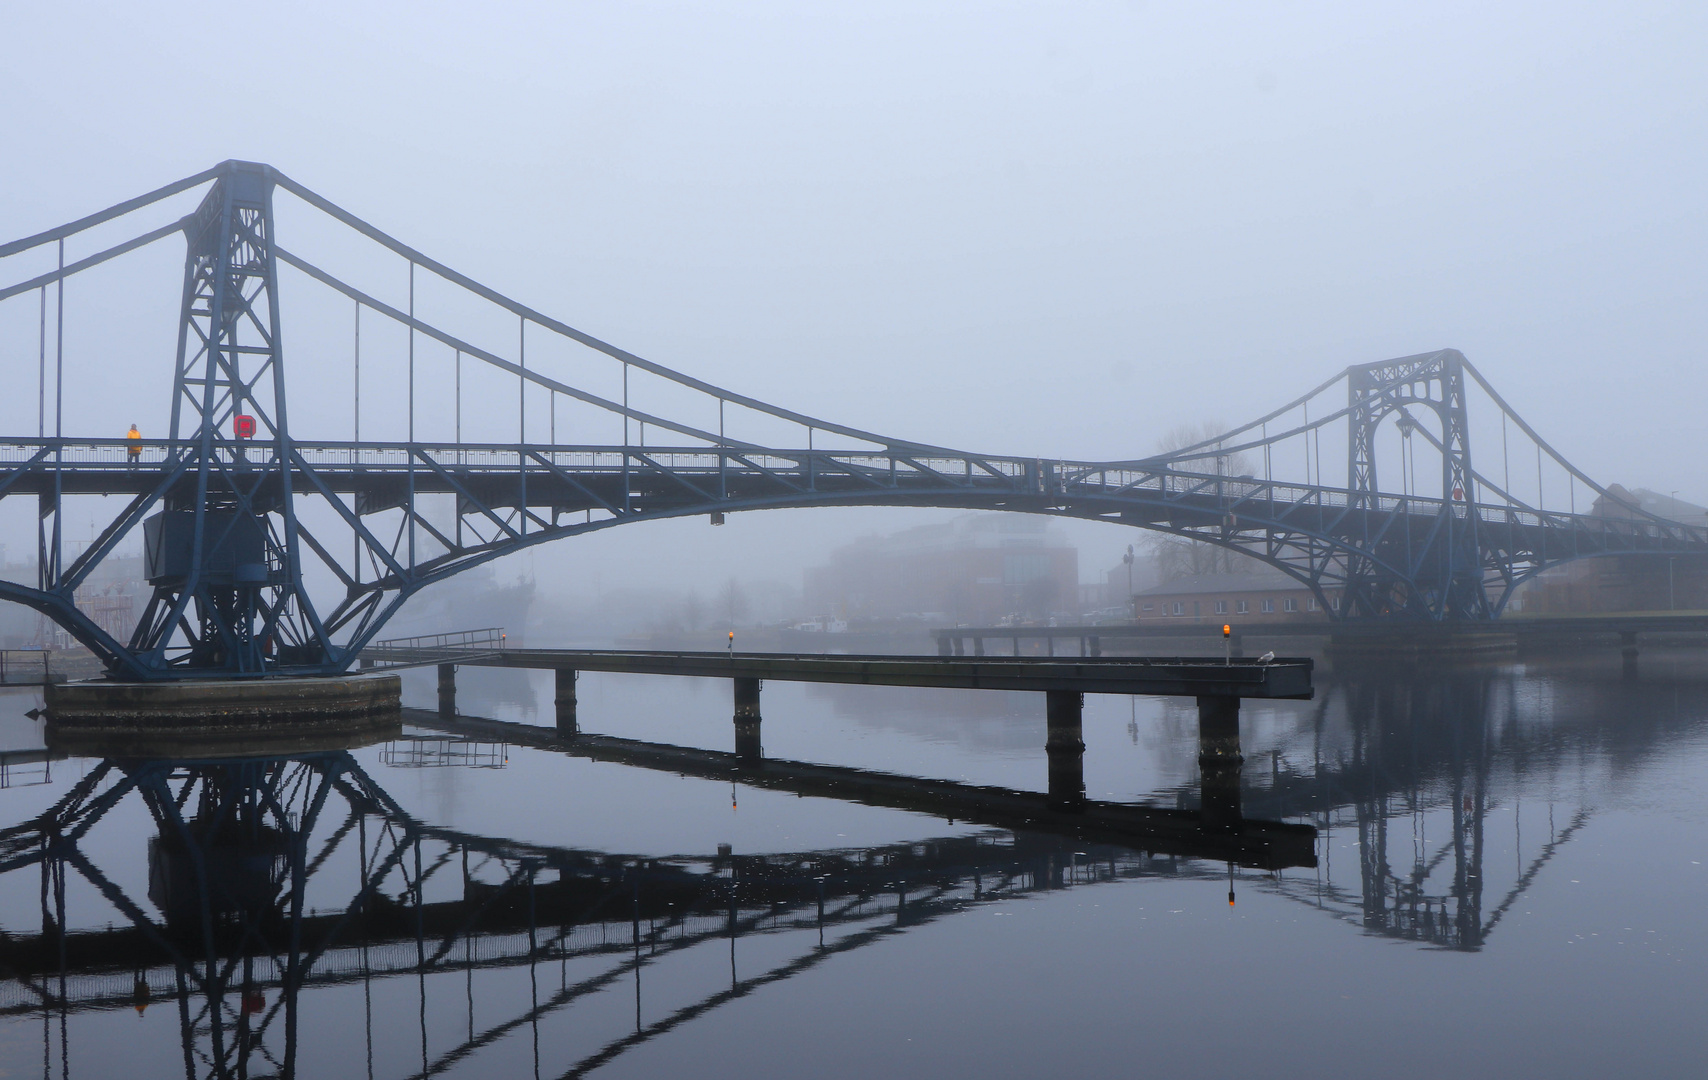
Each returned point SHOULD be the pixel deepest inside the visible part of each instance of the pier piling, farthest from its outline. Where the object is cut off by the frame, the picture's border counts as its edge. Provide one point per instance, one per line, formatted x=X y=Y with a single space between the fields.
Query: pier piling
x=1219 y=759
x=567 y=723
x=447 y=689
x=747 y=719
x=1064 y=744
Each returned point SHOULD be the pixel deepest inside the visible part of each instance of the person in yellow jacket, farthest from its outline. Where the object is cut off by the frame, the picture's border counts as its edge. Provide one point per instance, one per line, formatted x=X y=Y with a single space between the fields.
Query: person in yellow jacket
x=134 y=449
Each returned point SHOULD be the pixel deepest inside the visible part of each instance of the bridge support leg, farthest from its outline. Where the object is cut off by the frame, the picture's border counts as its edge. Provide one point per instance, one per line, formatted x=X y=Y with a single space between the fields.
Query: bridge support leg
x=1628 y=653
x=1064 y=745
x=1096 y=645
x=944 y=648
x=960 y=646
x=978 y=646
x=447 y=689
x=747 y=717
x=567 y=723
x=1219 y=760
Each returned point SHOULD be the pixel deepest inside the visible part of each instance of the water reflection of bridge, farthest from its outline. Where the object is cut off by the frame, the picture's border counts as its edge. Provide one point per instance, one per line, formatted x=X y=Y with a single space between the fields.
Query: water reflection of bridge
x=1455 y=762
x=240 y=847
x=1432 y=772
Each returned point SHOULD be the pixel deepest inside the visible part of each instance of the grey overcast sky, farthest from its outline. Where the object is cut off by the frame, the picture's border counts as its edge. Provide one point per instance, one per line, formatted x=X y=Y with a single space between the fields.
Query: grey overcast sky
x=1040 y=228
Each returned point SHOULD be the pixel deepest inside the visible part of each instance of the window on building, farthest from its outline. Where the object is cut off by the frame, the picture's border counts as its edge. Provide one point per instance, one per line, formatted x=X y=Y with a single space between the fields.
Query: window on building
x=1242 y=607
x=1268 y=606
x=1148 y=607
x=1289 y=604
x=1312 y=605
x=1025 y=569
x=1221 y=607
x=1179 y=607
x=1334 y=603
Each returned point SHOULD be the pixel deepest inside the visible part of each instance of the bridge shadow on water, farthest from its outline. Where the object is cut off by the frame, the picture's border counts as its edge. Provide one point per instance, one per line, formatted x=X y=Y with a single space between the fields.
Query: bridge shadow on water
x=295 y=914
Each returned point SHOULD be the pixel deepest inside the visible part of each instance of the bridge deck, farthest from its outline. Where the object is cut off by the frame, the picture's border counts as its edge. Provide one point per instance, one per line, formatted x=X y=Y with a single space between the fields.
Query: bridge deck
x=1160 y=676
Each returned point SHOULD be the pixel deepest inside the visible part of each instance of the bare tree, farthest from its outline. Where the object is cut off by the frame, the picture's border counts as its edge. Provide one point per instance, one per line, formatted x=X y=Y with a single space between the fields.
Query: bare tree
x=1178 y=557
x=733 y=599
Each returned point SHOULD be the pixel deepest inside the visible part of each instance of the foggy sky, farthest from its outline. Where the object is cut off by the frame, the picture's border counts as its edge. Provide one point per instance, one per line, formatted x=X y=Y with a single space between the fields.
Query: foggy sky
x=1020 y=228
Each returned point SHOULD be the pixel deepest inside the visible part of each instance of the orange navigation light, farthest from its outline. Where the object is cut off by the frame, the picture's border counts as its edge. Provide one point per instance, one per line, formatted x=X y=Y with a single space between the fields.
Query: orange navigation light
x=1227 y=630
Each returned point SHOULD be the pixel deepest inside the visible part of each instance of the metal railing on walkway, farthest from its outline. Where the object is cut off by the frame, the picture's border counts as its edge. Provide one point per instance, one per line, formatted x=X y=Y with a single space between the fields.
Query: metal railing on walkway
x=425 y=649
x=27 y=667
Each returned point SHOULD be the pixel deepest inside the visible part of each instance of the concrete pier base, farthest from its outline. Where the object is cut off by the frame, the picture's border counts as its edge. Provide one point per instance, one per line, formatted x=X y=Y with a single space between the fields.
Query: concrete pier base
x=120 y=719
x=568 y=723
x=747 y=719
x=1064 y=745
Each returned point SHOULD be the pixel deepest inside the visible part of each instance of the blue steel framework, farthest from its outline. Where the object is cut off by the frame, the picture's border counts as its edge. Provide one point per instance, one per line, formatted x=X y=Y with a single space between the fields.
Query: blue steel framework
x=227 y=541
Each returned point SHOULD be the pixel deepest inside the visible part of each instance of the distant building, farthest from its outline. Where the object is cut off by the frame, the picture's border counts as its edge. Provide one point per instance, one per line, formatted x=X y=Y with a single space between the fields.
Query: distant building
x=1262 y=596
x=975 y=568
x=1124 y=580
x=1623 y=582
x=109 y=596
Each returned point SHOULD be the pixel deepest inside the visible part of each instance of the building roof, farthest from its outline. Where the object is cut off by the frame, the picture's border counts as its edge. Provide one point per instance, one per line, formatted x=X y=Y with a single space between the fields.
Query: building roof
x=1665 y=506
x=1200 y=584
x=1621 y=503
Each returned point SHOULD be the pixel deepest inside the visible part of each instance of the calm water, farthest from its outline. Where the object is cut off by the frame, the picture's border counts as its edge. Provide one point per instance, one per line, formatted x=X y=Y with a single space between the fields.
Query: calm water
x=1509 y=882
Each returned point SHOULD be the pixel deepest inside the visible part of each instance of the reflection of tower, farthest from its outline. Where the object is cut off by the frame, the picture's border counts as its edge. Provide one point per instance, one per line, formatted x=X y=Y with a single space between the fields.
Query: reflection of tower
x=226 y=858
x=1408 y=735
x=228 y=869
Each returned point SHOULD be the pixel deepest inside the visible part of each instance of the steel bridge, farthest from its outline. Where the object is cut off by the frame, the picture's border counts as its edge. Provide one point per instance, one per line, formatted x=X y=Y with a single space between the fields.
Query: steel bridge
x=272 y=551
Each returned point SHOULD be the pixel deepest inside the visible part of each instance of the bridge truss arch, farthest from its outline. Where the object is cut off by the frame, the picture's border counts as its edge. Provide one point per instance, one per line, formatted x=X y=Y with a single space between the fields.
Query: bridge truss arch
x=269 y=550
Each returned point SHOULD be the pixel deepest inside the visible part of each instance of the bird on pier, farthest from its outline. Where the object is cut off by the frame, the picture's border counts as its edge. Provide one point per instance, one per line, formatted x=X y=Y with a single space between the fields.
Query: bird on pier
x=1266 y=657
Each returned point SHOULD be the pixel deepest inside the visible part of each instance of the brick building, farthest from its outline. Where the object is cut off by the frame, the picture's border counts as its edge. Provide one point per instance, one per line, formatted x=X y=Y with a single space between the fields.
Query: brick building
x=1259 y=596
x=975 y=568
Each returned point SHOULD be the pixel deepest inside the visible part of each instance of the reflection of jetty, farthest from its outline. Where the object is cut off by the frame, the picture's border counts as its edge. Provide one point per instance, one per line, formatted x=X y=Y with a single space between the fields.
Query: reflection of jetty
x=1217 y=685
x=1217 y=832
x=236 y=948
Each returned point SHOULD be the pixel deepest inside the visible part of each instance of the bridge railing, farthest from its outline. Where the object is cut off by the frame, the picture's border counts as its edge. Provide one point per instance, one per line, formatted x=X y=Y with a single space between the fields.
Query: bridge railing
x=27 y=667
x=1234 y=495
x=485 y=639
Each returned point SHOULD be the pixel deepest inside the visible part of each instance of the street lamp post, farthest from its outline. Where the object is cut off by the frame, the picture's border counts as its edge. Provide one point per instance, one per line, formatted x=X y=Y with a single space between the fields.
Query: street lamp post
x=1132 y=601
x=1672 y=512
